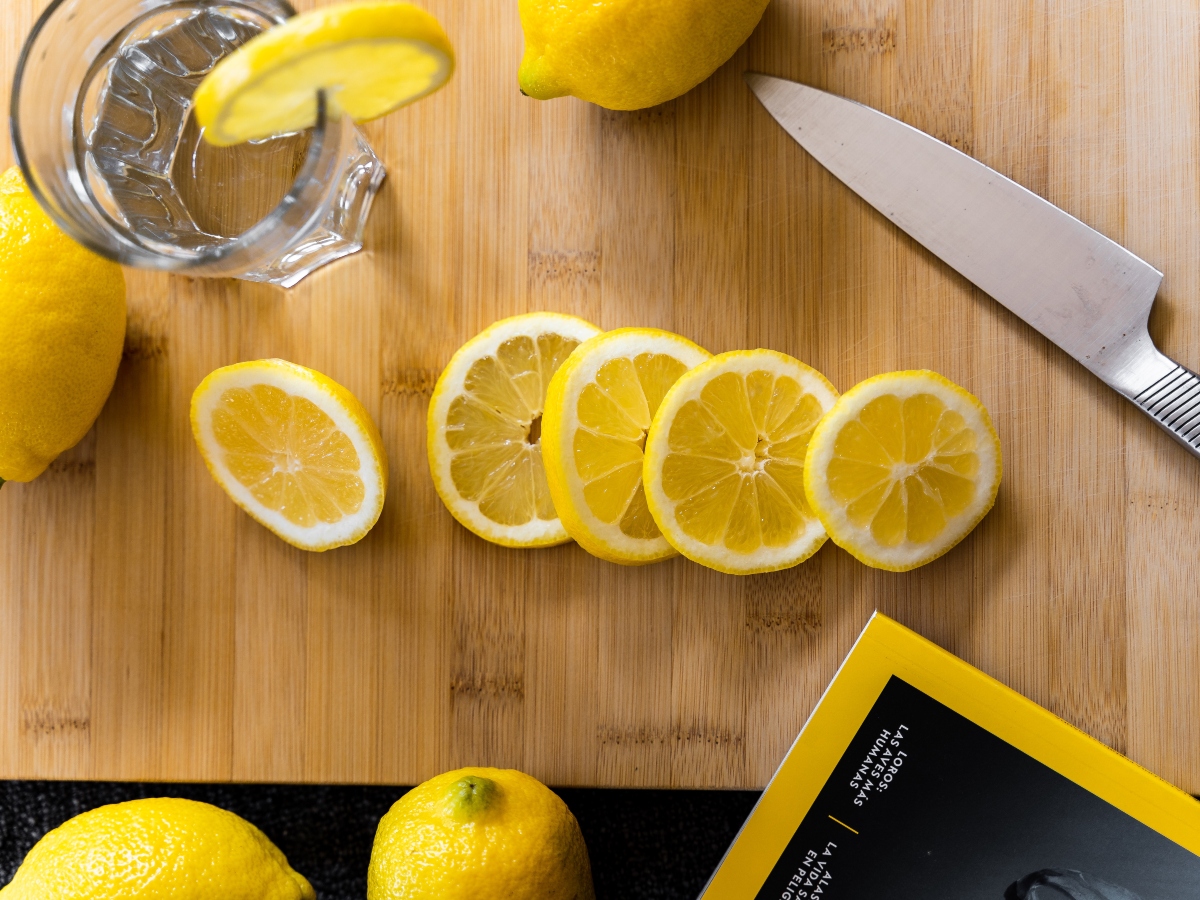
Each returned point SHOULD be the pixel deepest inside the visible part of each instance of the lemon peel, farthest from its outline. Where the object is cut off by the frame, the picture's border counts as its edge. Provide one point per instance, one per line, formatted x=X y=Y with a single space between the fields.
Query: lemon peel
x=157 y=847
x=629 y=54
x=495 y=832
x=62 y=314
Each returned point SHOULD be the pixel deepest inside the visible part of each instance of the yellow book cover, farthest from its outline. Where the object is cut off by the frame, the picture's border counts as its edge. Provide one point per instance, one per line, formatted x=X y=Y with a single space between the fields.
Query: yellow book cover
x=917 y=777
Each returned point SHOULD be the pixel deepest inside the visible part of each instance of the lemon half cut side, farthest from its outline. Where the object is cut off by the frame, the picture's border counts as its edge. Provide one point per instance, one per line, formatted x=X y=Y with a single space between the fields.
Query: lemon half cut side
x=725 y=461
x=294 y=449
x=369 y=57
x=485 y=428
x=598 y=410
x=902 y=468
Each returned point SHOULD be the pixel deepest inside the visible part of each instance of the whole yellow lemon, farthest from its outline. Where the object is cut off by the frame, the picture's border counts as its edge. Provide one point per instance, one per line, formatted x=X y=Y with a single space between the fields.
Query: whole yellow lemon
x=629 y=54
x=160 y=849
x=483 y=834
x=62 y=314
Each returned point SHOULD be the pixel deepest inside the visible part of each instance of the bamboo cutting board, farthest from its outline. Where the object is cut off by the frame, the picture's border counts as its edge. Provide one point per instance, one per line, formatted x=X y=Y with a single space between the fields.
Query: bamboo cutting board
x=150 y=630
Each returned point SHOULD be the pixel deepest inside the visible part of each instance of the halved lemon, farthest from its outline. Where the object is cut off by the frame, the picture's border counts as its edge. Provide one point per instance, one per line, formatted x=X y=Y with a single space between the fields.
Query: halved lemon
x=725 y=461
x=294 y=449
x=369 y=58
x=902 y=468
x=485 y=425
x=598 y=411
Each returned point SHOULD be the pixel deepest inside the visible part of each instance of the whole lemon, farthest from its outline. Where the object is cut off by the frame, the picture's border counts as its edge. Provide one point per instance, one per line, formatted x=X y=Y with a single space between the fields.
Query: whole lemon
x=629 y=54
x=62 y=315
x=160 y=849
x=483 y=834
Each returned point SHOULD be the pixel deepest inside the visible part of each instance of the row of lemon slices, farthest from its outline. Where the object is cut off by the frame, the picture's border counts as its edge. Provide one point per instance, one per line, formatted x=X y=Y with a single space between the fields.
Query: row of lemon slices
x=638 y=445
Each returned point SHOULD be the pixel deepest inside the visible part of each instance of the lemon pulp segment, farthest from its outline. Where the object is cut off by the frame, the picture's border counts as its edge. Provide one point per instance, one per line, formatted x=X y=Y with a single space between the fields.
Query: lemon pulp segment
x=599 y=410
x=735 y=467
x=294 y=449
x=496 y=457
x=904 y=469
x=729 y=461
x=288 y=454
x=614 y=415
x=485 y=428
x=904 y=482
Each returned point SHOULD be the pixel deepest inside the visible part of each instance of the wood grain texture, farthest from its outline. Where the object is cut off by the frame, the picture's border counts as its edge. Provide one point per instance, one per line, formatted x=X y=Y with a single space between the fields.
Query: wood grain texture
x=148 y=629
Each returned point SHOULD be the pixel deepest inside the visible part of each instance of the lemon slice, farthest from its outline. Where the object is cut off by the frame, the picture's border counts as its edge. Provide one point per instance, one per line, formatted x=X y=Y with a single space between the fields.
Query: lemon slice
x=902 y=468
x=725 y=461
x=369 y=58
x=598 y=411
x=485 y=422
x=294 y=449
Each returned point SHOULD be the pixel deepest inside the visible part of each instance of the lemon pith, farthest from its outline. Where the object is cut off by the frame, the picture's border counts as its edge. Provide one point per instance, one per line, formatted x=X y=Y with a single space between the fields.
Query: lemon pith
x=484 y=440
x=161 y=847
x=598 y=411
x=725 y=458
x=369 y=58
x=479 y=832
x=294 y=449
x=62 y=315
x=629 y=54
x=902 y=468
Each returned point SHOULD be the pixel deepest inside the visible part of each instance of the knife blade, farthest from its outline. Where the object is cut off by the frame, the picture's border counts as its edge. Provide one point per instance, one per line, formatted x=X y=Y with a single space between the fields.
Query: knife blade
x=1086 y=293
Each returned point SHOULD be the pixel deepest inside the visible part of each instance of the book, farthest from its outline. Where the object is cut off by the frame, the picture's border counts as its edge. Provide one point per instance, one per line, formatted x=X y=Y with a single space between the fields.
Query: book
x=918 y=777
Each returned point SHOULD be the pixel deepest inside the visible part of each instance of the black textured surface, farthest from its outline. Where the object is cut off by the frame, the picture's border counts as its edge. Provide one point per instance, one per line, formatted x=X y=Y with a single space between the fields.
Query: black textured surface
x=644 y=845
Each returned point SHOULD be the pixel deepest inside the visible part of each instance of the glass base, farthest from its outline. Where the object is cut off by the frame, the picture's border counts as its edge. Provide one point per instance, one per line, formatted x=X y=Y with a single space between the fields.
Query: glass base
x=340 y=231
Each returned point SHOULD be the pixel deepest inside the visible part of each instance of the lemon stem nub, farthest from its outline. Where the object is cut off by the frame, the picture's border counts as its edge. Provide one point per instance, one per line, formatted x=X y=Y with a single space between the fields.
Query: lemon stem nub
x=472 y=796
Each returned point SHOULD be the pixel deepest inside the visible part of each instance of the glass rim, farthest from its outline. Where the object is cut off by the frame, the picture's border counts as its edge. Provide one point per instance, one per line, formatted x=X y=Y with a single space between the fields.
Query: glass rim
x=138 y=253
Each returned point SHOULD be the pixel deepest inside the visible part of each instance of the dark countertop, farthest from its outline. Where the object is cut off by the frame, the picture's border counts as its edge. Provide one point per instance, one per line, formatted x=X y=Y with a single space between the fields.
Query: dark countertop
x=644 y=844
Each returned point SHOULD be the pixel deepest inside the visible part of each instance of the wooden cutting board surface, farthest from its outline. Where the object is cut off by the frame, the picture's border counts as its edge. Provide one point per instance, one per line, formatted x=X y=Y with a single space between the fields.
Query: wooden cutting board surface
x=150 y=630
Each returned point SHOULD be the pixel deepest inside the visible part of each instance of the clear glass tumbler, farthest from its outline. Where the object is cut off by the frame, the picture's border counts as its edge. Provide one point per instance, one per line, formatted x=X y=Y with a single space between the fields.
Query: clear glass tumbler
x=103 y=129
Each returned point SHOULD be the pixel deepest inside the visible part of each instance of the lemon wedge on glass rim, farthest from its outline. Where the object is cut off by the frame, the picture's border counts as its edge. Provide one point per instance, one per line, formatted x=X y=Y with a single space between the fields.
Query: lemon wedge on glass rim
x=598 y=410
x=902 y=468
x=294 y=449
x=485 y=428
x=724 y=468
x=369 y=57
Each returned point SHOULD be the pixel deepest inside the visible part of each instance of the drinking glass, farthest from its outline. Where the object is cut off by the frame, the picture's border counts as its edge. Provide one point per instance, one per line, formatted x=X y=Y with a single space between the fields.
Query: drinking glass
x=104 y=132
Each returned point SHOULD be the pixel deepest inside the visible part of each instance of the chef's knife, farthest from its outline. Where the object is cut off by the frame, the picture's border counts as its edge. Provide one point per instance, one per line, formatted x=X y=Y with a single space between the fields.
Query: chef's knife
x=1087 y=294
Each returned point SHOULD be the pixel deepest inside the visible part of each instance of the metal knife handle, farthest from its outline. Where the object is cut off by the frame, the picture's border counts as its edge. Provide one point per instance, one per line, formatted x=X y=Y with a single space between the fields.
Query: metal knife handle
x=1173 y=401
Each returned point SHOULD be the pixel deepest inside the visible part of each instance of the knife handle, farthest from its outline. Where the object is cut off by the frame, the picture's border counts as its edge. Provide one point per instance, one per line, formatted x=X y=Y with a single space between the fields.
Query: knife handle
x=1173 y=401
